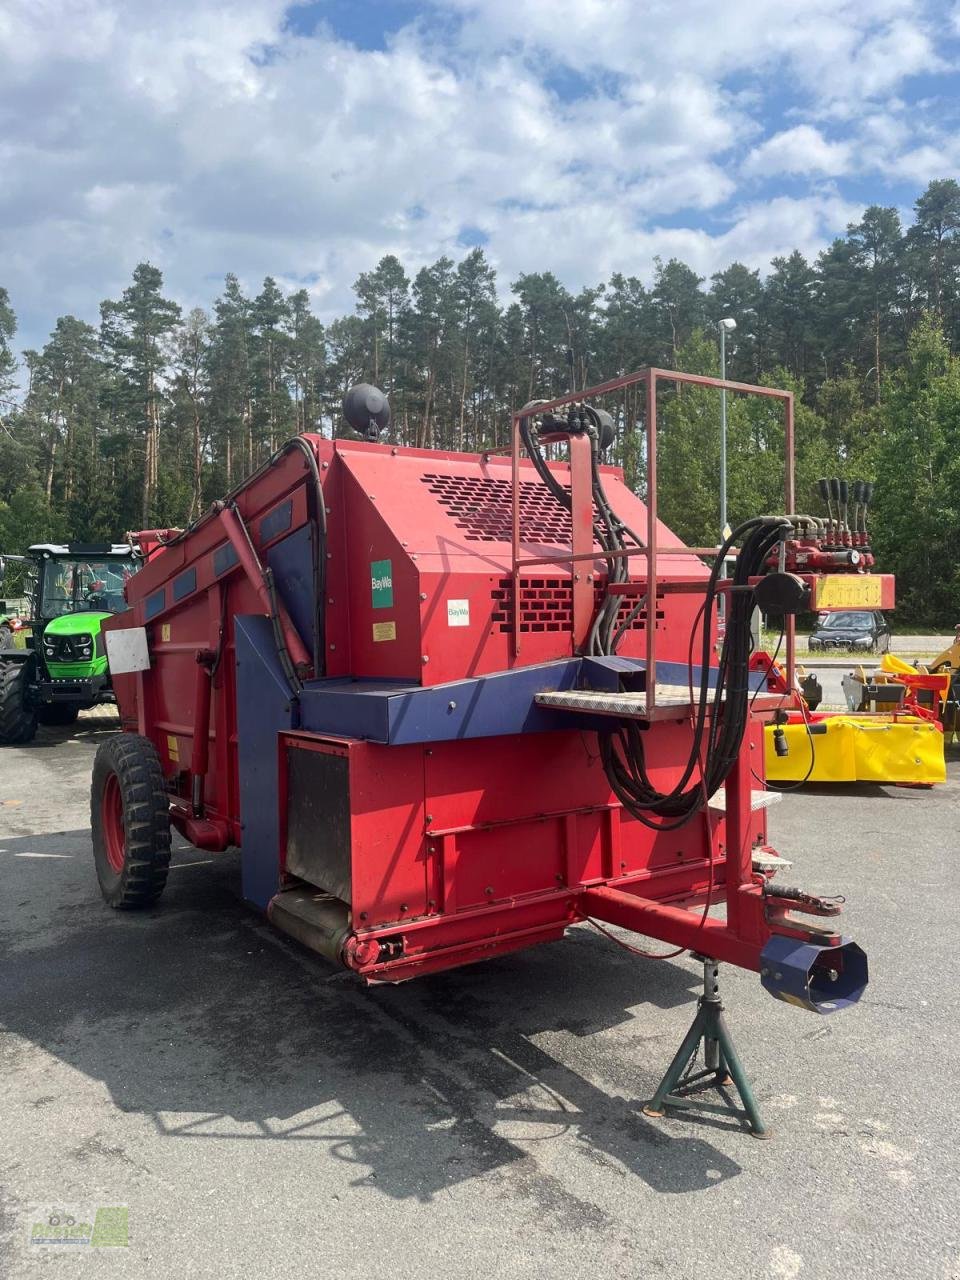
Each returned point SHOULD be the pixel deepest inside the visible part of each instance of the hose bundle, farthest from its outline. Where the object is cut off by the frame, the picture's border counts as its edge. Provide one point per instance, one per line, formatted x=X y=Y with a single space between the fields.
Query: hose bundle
x=716 y=739
x=608 y=528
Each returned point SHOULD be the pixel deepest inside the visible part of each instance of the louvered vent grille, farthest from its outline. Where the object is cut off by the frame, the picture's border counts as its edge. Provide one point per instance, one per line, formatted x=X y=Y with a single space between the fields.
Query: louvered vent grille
x=483 y=509
x=546 y=604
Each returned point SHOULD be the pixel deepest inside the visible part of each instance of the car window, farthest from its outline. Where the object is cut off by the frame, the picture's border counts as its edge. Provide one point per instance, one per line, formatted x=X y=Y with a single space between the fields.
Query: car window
x=862 y=621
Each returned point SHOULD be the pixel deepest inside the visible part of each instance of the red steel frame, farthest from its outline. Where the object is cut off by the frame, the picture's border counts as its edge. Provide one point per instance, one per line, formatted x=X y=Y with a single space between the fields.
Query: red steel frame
x=582 y=549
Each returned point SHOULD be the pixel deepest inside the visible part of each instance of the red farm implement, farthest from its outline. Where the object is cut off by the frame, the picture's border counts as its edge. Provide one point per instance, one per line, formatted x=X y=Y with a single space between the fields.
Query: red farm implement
x=448 y=705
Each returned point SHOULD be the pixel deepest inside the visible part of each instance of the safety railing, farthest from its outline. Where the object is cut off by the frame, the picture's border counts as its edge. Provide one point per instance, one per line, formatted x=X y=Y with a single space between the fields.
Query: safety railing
x=582 y=552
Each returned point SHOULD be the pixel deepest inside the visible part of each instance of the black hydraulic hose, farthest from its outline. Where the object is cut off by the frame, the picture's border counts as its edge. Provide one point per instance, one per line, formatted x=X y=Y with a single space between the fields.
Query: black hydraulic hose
x=266 y=575
x=320 y=565
x=622 y=749
x=626 y=767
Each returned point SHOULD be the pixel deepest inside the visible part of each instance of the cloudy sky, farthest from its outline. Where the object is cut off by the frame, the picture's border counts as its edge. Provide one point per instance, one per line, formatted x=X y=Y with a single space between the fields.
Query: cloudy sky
x=578 y=136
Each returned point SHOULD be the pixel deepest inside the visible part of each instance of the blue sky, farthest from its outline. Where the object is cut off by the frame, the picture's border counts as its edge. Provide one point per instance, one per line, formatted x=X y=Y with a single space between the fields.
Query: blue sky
x=578 y=136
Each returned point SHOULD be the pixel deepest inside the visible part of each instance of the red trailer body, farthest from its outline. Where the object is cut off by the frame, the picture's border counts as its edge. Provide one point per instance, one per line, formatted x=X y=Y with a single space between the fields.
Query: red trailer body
x=368 y=669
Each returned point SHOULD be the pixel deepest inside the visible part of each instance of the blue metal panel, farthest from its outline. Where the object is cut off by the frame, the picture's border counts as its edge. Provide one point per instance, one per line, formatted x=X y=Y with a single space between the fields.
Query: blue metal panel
x=186 y=583
x=349 y=708
x=292 y=563
x=277 y=521
x=486 y=707
x=155 y=604
x=606 y=672
x=482 y=708
x=224 y=558
x=264 y=708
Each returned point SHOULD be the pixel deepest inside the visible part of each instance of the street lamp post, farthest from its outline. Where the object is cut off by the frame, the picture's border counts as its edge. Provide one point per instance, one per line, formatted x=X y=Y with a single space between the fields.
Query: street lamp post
x=727 y=325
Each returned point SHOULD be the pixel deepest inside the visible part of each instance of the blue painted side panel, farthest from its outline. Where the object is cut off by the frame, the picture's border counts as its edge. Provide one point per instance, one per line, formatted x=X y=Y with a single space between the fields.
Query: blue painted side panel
x=502 y=703
x=483 y=708
x=185 y=584
x=604 y=672
x=155 y=604
x=224 y=558
x=280 y=518
x=349 y=708
x=292 y=563
x=264 y=708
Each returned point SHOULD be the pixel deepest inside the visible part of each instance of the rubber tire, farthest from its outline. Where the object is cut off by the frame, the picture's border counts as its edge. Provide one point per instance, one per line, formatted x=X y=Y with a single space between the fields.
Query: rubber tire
x=134 y=763
x=18 y=722
x=58 y=713
x=6 y=637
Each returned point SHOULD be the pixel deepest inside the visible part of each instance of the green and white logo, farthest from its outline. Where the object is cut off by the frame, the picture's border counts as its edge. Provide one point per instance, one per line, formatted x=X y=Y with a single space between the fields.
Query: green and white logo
x=87 y=1226
x=381 y=584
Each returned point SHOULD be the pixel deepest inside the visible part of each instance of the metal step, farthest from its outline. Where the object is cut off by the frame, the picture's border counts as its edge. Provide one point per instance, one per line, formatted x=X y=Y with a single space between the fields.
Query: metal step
x=671 y=699
x=758 y=800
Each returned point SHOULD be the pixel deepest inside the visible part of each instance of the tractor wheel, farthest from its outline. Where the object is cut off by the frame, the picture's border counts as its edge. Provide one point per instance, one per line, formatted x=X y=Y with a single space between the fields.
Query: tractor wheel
x=6 y=637
x=129 y=814
x=18 y=723
x=58 y=713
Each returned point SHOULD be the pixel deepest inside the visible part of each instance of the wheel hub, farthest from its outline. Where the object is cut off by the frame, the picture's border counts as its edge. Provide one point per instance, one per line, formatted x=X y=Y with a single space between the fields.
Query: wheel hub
x=111 y=812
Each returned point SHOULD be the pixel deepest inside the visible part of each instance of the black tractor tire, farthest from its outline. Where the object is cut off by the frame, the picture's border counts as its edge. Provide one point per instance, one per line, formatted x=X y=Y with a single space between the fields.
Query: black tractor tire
x=130 y=817
x=6 y=637
x=18 y=722
x=58 y=713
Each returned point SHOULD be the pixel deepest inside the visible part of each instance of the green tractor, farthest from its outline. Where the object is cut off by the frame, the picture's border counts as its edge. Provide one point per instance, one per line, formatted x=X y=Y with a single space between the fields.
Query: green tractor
x=55 y=665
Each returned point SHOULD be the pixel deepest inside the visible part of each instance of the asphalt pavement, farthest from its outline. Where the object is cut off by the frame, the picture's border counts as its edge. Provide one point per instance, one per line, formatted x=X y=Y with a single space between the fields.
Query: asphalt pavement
x=261 y=1115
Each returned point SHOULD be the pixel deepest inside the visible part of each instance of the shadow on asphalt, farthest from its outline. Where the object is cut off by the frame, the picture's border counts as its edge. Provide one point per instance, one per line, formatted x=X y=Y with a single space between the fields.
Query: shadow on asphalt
x=91 y=726
x=862 y=790
x=197 y=1014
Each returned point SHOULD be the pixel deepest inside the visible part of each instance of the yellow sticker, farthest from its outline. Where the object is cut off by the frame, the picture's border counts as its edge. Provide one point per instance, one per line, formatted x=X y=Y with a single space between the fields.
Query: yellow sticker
x=173 y=749
x=165 y=631
x=384 y=631
x=850 y=591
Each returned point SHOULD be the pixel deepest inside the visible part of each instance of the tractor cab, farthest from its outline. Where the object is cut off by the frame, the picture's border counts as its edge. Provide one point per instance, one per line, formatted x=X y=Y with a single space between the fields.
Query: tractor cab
x=75 y=584
x=57 y=665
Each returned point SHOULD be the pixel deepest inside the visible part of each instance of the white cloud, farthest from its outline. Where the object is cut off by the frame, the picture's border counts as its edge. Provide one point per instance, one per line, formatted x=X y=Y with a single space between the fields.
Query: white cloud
x=799 y=150
x=209 y=138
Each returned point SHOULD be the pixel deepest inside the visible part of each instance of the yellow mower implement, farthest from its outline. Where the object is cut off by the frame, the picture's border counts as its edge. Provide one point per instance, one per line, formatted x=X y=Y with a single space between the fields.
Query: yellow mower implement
x=858 y=748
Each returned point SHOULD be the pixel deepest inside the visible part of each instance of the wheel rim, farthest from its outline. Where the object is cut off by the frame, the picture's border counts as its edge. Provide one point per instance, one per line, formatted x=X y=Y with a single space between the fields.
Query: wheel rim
x=111 y=811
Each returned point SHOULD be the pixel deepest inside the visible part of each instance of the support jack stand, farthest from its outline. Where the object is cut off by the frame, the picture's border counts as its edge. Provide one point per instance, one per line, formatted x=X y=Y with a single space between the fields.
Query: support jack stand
x=722 y=1066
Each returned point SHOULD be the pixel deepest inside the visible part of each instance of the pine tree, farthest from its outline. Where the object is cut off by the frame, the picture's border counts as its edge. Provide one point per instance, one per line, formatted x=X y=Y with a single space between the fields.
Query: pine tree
x=133 y=335
x=306 y=362
x=230 y=378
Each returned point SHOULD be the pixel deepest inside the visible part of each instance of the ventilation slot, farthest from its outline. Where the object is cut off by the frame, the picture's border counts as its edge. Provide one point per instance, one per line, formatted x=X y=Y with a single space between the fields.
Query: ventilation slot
x=483 y=509
x=546 y=604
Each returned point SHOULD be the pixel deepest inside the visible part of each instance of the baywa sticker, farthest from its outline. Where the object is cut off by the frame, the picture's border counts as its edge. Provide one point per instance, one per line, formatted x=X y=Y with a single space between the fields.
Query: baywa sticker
x=458 y=613
x=381 y=584
x=91 y=1226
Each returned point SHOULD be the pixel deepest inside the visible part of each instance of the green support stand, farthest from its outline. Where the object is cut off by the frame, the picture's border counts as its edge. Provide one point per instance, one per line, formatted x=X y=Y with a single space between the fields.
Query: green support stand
x=722 y=1066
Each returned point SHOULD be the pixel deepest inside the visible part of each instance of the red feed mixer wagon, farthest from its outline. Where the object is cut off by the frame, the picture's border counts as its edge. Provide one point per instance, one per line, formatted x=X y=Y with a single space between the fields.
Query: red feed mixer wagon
x=448 y=705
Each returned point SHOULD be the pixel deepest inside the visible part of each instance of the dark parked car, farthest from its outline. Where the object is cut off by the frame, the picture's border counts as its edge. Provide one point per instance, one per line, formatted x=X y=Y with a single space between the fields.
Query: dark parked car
x=852 y=629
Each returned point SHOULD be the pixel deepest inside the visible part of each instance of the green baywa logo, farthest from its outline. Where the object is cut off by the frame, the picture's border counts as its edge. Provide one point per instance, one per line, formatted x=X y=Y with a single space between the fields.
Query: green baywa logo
x=93 y=1226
